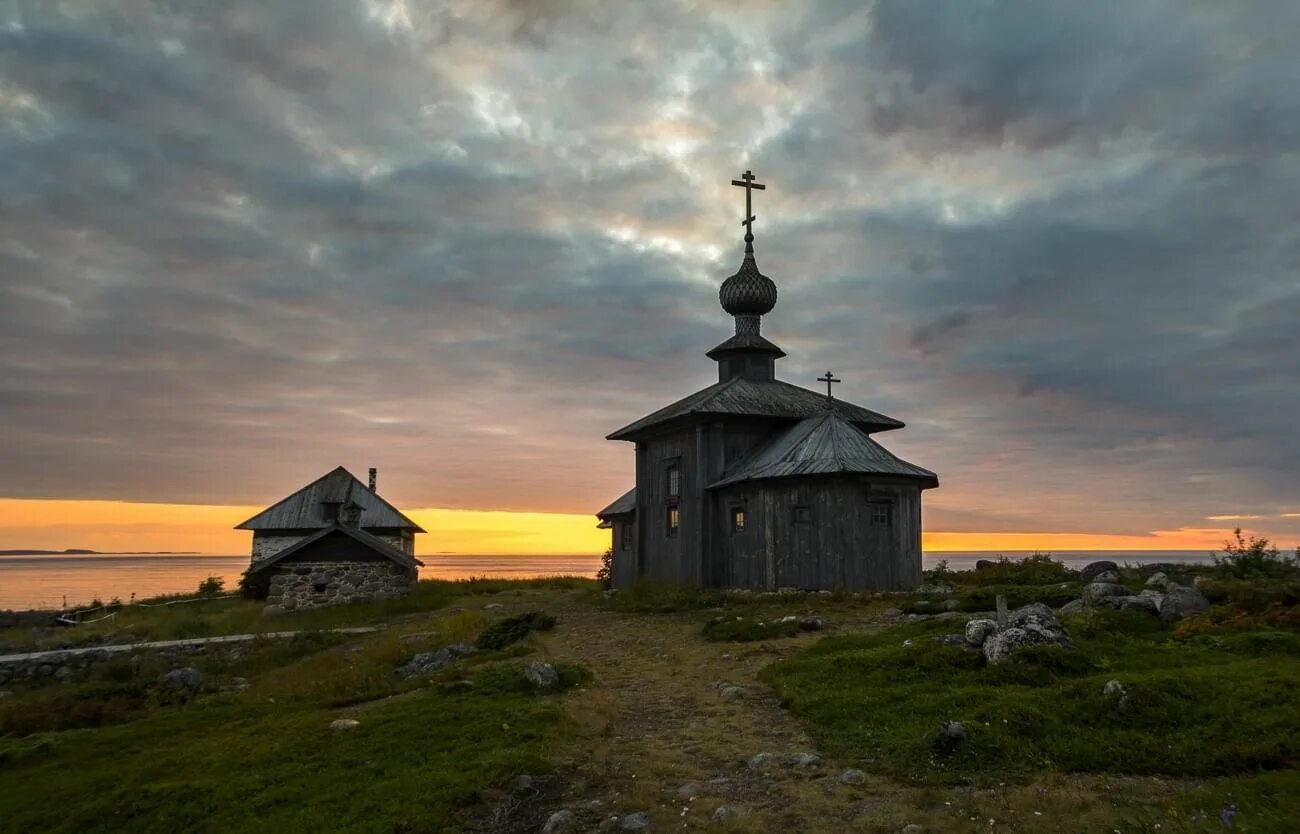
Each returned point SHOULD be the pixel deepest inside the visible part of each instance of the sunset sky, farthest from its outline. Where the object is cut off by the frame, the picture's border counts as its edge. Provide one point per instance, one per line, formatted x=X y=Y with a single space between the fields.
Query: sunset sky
x=243 y=243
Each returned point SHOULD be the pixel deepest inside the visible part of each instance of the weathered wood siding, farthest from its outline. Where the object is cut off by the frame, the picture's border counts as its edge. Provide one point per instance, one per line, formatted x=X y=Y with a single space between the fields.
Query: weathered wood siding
x=623 y=571
x=839 y=548
x=334 y=547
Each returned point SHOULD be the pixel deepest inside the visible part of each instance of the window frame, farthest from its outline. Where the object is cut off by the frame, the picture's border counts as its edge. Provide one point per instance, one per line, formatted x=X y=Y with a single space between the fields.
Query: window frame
x=801 y=508
x=673 y=469
x=673 y=520
x=625 y=536
x=874 y=507
x=738 y=513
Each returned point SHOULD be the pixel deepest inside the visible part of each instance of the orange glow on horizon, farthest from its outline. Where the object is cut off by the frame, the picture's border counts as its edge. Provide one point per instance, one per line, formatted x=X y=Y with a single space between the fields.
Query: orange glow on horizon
x=117 y=526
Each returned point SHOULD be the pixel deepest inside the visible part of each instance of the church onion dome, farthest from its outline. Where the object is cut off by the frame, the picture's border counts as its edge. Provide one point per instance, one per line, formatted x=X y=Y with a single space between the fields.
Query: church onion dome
x=748 y=292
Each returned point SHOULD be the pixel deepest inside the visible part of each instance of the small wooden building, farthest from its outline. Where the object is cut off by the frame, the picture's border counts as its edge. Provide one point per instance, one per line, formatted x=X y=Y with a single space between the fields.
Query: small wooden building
x=333 y=541
x=756 y=483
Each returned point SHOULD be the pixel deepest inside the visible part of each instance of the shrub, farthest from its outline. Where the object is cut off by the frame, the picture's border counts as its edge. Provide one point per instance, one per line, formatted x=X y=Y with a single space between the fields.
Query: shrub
x=1037 y=569
x=1252 y=558
x=212 y=586
x=605 y=576
x=513 y=629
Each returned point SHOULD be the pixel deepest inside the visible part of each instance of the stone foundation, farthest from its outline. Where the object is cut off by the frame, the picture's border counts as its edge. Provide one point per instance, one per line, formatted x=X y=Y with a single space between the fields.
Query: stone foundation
x=301 y=585
x=264 y=547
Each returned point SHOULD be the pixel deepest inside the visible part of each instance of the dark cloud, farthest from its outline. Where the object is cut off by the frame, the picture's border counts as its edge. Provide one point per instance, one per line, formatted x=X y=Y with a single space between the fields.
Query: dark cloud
x=465 y=243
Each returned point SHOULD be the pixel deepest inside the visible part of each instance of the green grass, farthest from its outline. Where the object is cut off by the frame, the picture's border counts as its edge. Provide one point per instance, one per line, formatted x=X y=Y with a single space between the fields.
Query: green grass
x=234 y=615
x=264 y=759
x=748 y=629
x=513 y=629
x=984 y=597
x=1200 y=708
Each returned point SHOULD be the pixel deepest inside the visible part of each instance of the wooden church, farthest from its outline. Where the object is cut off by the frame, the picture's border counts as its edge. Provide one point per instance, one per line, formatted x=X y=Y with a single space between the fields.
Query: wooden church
x=757 y=483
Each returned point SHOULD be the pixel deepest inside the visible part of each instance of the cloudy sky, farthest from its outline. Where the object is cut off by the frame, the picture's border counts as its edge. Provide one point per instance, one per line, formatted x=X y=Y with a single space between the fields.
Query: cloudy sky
x=243 y=242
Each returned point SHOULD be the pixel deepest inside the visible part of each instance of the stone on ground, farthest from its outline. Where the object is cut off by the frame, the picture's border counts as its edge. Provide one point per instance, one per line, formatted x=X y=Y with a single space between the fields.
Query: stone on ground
x=558 y=822
x=853 y=776
x=812 y=624
x=950 y=736
x=1157 y=580
x=725 y=812
x=1097 y=591
x=978 y=630
x=522 y=782
x=1180 y=601
x=1107 y=576
x=1091 y=570
x=184 y=678
x=541 y=675
x=344 y=724
x=1074 y=606
x=427 y=662
x=640 y=821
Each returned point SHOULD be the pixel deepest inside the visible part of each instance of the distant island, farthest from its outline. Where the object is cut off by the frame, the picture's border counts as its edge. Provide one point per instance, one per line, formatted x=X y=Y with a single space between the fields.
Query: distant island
x=79 y=551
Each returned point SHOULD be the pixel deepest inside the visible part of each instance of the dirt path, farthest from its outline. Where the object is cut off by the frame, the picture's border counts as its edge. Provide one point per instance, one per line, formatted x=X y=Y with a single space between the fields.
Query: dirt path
x=662 y=734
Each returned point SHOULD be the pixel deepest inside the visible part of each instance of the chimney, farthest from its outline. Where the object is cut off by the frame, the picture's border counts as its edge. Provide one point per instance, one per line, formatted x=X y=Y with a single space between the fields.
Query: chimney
x=374 y=477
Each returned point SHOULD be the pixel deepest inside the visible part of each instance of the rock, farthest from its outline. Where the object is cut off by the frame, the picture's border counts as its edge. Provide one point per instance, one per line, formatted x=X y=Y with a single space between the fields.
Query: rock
x=725 y=812
x=936 y=588
x=640 y=821
x=1107 y=576
x=1000 y=646
x=955 y=640
x=237 y=684
x=726 y=656
x=760 y=760
x=1140 y=604
x=950 y=736
x=1074 y=606
x=1159 y=579
x=977 y=631
x=985 y=564
x=1091 y=570
x=1097 y=591
x=853 y=776
x=689 y=790
x=811 y=624
x=1034 y=612
x=731 y=693
x=426 y=662
x=541 y=675
x=492 y=606
x=911 y=828
x=1180 y=601
x=522 y=782
x=187 y=678
x=344 y=724
x=1113 y=689
x=557 y=822
x=805 y=760
x=951 y=605
x=274 y=611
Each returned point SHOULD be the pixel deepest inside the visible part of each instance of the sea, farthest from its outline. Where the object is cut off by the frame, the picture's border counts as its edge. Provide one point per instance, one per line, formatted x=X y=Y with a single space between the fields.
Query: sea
x=68 y=581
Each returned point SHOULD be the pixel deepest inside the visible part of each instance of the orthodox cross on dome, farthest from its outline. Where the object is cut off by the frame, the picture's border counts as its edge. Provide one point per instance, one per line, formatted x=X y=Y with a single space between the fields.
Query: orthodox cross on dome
x=746 y=182
x=830 y=380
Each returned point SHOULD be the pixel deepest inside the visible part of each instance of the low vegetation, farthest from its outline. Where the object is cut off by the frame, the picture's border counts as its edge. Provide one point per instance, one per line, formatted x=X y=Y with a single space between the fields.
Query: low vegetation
x=513 y=629
x=748 y=629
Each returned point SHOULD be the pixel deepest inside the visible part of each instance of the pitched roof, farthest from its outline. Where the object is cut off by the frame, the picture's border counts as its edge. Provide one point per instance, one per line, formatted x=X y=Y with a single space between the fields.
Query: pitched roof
x=375 y=543
x=825 y=444
x=740 y=396
x=624 y=504
x=746 y=342
x=302 y=511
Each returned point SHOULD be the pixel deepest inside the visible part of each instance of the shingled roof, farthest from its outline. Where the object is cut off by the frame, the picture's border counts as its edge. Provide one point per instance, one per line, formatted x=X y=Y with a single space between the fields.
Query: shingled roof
x=626 y=503
x=825 y=444
x=739 y=396
x=302 y=509
x=375 y=543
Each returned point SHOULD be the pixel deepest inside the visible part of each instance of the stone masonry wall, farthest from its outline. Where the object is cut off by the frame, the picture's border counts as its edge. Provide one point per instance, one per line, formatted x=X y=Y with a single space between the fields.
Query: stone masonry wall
x=264 y=547
x=302 y=585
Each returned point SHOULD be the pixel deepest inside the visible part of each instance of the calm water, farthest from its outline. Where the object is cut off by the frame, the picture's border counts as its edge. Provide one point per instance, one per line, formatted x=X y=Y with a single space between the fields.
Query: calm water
x=47 y=581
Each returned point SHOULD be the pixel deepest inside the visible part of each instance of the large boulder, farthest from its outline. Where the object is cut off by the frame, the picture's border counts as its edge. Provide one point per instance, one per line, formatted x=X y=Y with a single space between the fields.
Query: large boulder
x=1180 y=600
x=1139 y=604
x=1030 y=625
x=541 y=675
x=1034 y=612
x=187 y=679
x=1095 y=592
x=1074 y=606
x=1157 y=580
x=1093 y=569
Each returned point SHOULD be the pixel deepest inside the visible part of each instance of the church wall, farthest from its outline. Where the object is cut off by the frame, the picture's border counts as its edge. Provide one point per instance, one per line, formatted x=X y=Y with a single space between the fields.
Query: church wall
x=623 y=569
x=839 y=548
x=668 y=558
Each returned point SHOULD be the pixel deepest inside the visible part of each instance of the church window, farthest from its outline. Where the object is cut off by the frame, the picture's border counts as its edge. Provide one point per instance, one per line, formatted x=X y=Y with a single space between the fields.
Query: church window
x=882 y=513
x=673 y=481
x=625 y=535
x=802 y=514
x=737 y=519
x=674 y=520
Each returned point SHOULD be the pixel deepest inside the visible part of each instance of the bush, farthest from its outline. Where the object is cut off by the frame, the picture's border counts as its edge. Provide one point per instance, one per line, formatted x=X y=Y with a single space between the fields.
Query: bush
x=212 y=586
x=605 y=576
x=1252 y=558
x=513 y=629
x=1037 y=569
